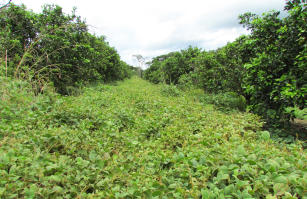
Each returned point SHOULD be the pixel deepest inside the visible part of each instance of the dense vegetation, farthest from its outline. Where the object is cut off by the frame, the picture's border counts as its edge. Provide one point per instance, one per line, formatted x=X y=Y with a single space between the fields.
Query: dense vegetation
x=52 y=46
x=134 y=139
x=138 y=140
x=267 y=67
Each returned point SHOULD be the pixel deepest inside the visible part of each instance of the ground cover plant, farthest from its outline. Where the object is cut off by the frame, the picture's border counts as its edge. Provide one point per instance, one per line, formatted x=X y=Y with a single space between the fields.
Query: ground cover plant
x=131 y=140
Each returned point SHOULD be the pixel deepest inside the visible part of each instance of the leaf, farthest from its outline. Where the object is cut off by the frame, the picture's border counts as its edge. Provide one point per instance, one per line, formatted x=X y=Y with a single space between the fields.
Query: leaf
x=265 y=135
x=229 y=189
x=206 y=194
x=280 y=188
x=55 y=178
x=172 y=186
x=30 y=193
x=281 y=179
x=58 y=189
x=270 y=197
x=92 y=156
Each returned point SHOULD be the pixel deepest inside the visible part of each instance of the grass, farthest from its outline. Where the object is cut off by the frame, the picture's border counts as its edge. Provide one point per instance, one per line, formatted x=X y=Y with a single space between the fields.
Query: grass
x=138 y=140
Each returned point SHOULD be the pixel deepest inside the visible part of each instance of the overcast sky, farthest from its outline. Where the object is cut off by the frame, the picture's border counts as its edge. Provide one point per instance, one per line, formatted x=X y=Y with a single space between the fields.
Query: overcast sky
x=155 y=27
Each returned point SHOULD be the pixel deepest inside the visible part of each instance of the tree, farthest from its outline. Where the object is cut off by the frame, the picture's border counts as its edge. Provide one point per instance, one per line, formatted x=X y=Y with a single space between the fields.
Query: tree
x=170 y=67
x=141 y=60
x=276 y=77
x=4 y=5
x=55 y=47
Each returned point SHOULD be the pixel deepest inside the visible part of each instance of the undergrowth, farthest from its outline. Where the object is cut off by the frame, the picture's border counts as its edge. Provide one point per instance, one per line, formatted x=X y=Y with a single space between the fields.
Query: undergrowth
x=129 y=140
x=225 y=101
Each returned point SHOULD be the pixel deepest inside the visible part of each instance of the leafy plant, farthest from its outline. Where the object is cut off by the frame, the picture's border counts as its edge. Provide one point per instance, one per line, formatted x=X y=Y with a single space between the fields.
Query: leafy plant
x=226 y=101
x=170 y=90
x=275 y=76
x=268 y=67
x=53 y=47
x=131 y=141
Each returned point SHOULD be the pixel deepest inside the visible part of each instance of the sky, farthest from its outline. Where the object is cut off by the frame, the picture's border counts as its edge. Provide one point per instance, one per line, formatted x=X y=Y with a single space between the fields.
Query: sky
x=155 y=27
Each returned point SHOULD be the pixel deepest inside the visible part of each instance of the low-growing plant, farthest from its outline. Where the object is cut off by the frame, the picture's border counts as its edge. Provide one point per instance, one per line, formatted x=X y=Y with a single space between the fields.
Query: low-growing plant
x=170 y=90
x=225 y=101
x=297 y=112
x=132 y=141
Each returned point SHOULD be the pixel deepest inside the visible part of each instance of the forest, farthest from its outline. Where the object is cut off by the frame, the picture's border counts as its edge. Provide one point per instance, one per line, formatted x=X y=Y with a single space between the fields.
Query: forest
x=76 y=121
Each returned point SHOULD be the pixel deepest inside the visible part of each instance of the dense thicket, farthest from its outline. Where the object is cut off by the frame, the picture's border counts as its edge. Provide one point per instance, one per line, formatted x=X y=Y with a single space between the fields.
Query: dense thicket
x=55 y=47
x=169 y=68
x=268 y=67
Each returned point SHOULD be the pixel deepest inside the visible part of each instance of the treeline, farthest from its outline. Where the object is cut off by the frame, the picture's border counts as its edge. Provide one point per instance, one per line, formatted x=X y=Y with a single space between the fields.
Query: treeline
x=55 y=47
x=267 y=67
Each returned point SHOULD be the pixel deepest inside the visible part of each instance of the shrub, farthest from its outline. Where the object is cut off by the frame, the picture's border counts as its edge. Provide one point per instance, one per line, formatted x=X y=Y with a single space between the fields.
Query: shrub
x=226 y=101
x=55 y=47
x=170 y=90
x=186 y=81
x=276 y=76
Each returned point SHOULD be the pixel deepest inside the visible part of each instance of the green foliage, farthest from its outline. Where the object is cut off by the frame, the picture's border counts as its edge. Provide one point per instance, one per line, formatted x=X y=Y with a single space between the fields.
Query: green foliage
x=276 y=76
x=210 y=72
x=187 y=81
x=298 y=113
x=130 y=141
x=55 y=47
x=170 y=67
x=225 y=101
x=267 y=67
x=136 y=140
x=170 y=90
x=265 y=135
x=214 y=71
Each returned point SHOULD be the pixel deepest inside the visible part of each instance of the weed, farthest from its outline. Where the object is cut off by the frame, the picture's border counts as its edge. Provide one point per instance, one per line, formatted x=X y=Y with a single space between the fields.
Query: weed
x=132 y=141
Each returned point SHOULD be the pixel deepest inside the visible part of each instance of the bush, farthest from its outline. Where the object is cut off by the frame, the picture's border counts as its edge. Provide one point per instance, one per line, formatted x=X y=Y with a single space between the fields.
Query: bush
x=186 y=81
x=276 y=76
x=55 y=47
x=170 y=90
x=226 y=101
x=298 y=113
x=268 y=67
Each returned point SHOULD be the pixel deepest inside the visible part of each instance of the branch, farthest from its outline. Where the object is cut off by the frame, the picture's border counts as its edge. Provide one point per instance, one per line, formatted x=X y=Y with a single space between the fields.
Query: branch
x=8 y=3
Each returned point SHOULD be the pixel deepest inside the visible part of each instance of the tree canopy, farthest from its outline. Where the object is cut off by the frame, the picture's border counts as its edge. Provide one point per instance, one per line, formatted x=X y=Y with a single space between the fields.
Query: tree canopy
x=52 y=46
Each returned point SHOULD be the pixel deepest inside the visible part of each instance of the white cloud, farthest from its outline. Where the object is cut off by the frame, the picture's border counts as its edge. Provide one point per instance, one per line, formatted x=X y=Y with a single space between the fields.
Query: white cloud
x=154 y=27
